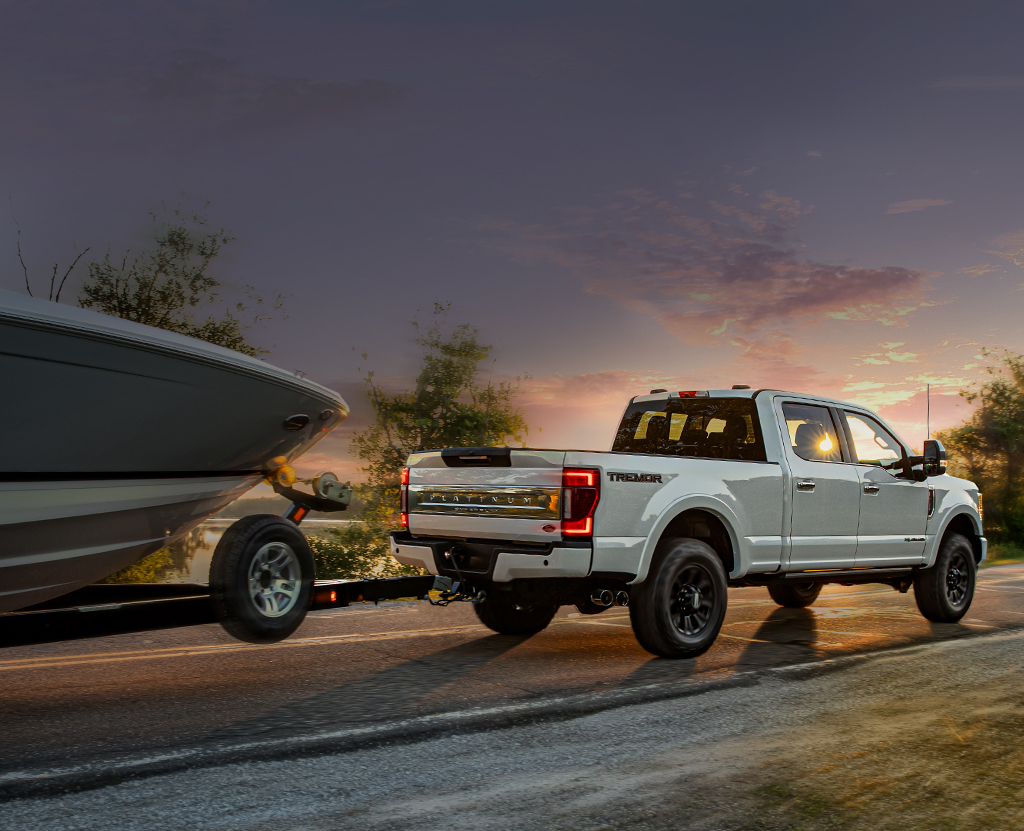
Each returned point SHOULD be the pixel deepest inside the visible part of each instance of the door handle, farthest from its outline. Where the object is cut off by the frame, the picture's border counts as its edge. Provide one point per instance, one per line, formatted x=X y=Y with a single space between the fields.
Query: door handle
x=805 y=485
x=871 y=489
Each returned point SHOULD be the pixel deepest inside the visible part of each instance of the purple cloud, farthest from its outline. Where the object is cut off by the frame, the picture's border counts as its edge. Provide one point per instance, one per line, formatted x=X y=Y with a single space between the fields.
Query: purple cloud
x=736 y=276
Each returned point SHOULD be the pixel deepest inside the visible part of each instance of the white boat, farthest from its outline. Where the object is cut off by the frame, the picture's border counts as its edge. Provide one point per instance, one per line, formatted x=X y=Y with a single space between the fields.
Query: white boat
x=115 y=438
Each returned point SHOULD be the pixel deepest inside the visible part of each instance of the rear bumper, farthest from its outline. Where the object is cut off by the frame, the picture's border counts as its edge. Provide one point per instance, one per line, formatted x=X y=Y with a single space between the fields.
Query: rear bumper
x=490 y=560
x=411 y=553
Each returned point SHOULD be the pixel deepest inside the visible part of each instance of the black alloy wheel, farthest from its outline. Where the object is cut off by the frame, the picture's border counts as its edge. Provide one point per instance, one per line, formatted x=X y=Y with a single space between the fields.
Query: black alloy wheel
x=945 y=590
x=678 y=610
x=693 y=599
x=958 y=579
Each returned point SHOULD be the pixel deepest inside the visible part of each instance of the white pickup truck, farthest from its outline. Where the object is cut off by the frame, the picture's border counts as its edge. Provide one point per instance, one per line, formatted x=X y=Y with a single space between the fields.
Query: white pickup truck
x=701 y=490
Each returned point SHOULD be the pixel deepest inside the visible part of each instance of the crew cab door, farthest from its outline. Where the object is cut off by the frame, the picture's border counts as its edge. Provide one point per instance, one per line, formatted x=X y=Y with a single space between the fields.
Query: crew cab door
x=825 y=497
x=893 y=510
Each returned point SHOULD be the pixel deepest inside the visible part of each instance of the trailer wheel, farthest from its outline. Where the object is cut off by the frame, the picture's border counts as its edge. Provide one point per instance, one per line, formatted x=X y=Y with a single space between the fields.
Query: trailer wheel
x=794 y=595
x=945 y=590
x=677 y=611
x=502 y=614
x=261 y=578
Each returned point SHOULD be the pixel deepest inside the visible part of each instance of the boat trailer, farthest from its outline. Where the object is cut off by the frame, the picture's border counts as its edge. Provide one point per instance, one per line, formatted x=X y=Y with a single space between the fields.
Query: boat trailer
x=260 y=588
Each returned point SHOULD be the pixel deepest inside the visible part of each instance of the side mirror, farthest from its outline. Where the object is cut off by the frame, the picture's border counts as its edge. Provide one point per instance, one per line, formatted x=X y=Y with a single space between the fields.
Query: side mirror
x=934 y=458
x=913 y=469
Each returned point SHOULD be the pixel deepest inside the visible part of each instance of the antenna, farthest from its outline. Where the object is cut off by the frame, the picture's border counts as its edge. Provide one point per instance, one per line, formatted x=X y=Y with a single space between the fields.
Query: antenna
x=928 y=405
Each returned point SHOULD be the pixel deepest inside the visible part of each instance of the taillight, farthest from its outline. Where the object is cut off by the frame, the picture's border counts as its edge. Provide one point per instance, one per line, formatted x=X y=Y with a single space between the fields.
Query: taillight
x=581 y=488
x=403 y=518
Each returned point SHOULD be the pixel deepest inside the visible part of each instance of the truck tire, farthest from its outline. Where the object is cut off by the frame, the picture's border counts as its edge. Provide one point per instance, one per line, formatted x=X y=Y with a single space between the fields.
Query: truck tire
x=261 y=578
x=502 y=614
x=677 y=611
x=945 y=590
x=794 y=595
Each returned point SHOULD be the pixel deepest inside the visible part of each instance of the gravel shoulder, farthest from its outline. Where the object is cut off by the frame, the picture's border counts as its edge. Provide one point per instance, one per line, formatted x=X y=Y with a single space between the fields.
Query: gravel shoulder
x=923 y=737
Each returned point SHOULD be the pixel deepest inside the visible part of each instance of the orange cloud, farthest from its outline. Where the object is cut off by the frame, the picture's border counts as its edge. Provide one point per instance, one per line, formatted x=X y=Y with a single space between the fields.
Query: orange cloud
x=978 y=270
x=1012 y=248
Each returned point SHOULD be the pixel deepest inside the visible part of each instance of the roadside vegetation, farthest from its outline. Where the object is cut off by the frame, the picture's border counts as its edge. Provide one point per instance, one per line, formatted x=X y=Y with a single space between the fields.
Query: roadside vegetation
x=988 y=448
x=170 y=283
x=961 y=776
x=1004 y=554
x=169 y=563
x=450 y=405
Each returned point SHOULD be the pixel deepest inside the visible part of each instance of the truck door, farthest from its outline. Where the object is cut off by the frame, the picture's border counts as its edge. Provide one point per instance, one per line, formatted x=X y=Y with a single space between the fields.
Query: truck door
x=893 y=510
x=825 y=491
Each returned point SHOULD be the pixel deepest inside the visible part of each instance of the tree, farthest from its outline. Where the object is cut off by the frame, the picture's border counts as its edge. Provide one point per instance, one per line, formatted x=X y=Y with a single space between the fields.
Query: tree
x=55 y=287
x=448 y=407
x=169 y=284
x=988 y=448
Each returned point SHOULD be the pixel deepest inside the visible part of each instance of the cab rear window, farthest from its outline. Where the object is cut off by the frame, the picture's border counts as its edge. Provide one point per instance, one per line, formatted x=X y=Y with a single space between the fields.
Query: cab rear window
x=707 y=428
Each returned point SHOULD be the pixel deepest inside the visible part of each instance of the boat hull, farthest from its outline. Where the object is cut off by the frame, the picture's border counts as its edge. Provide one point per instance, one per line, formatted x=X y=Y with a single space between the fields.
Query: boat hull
x=56 y=537
x=116 y=438
x=85 y=404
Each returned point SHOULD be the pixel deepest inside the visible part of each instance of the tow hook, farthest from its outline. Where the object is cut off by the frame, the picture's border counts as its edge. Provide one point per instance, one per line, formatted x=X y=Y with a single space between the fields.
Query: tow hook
x=452 y=591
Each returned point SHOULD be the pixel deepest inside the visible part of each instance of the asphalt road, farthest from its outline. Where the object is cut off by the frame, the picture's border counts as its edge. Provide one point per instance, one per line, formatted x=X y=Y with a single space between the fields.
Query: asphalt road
x=98 y=710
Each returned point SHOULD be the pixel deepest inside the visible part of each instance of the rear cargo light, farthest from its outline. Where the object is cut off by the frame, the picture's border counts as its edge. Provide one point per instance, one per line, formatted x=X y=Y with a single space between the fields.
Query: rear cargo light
x=694 y=394
x=581 y=489
x=404 y=499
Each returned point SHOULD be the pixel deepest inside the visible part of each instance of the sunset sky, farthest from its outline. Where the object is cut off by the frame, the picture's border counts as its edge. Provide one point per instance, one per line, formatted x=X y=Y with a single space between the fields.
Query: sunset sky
x=824 y=197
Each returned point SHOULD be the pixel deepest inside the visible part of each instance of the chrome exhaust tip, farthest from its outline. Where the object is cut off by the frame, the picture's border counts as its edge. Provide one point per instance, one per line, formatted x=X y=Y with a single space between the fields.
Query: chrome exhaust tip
x=603 y=598
x=622 y=598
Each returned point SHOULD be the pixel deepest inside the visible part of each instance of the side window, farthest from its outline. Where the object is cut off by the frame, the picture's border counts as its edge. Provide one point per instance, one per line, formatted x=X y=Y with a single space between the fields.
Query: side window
x=872 y=443
x=812 y=434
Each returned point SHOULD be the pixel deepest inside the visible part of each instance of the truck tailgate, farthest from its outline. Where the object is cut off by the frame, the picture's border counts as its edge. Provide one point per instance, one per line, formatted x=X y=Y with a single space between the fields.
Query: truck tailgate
x=490 y=493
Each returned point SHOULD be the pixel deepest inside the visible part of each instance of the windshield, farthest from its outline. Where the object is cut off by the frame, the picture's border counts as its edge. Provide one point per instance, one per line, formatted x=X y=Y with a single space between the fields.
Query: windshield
x=709 y=428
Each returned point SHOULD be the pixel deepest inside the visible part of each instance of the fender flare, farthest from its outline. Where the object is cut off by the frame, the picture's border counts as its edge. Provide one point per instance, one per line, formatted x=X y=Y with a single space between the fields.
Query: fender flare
x=962 y=510
x=679 y=506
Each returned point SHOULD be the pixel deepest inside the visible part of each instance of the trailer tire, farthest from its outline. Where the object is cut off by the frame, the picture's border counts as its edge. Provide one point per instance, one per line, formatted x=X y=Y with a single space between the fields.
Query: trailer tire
x=502 y=614
x=678 y=610
x=794 y=595
x=261 y=579
x=944 y=591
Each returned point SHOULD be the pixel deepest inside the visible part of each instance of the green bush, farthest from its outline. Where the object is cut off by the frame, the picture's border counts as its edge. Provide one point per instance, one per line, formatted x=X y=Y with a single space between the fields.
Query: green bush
x=167 y=563
x=151 y=569
x=1005 y=552
x=355 y=551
